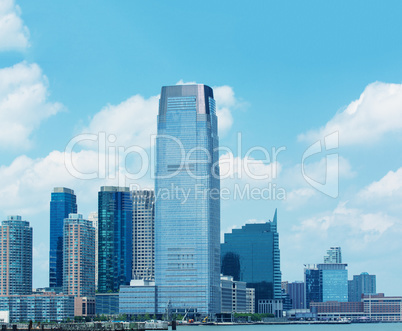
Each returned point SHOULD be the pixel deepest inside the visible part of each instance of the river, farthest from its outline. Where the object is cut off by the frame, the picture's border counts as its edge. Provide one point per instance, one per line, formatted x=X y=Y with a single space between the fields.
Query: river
x=297 y=327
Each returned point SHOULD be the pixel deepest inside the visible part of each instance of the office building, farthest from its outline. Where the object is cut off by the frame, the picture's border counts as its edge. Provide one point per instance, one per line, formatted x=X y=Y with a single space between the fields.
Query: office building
x=47 y=307
x=143 y=234
x=271 y=306
x=15 y=257
x=137 y=298
x=361 y=284
x=107 y=303
x=296 y=294
x=93 y=217
x=251 y=254
x=234 y=295
x=376 y=307
x=79 y=263
x=250 y=300
x=327 y=281
x=334 y=255
x=334 y=281
x=187 y=211
x=63 y=202
x=115 y=237
x=313 y=285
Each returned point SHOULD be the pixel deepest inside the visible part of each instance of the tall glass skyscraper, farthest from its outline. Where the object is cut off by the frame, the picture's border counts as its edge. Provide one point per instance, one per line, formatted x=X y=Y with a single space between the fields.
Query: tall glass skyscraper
x=115 y=230
x=63 y=202
x=187 y=212
x=251 y=254
x=15 y=257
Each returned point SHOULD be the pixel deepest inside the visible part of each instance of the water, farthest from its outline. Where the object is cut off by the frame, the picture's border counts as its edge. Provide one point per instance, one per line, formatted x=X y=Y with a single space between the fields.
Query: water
x=320 y=327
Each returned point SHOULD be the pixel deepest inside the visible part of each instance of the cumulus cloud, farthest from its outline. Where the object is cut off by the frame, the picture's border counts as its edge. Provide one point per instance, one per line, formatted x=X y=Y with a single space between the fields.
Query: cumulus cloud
x=25 y=184
x=23 y=104
x=367 y=119
x=247 y=169
x=14 y=35
x=390 y=186
x=132 y=122
x=351 y=221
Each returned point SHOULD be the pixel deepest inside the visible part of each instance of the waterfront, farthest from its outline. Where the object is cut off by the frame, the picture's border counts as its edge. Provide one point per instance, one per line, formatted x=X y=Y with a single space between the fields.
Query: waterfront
x=298 y=327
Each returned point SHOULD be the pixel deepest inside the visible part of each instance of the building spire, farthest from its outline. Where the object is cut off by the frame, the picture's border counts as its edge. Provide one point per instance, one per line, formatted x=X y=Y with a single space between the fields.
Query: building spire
x=275 y=216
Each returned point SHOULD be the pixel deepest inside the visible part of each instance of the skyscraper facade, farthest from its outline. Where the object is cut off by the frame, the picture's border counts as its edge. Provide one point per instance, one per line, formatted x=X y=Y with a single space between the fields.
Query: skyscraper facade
x=361 y=284
x=79 y=263
x=63 y=202
x=15 y=257
x=251 y=254
x=143 y=234
x=187 y=212
x=115 y=231
x=334 y=278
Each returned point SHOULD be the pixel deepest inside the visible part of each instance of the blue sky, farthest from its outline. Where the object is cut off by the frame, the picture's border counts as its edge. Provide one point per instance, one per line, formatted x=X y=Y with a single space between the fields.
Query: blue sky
x=285 y=75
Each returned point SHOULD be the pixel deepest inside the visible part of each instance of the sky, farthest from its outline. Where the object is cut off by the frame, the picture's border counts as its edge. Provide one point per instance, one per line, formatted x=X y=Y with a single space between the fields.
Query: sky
x=309 y=104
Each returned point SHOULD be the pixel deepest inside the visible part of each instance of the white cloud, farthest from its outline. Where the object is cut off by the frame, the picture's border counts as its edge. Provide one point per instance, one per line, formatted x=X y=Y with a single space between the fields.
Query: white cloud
x=226 y=102
x=390 y=186
x=133 y=121
x=23 y=104
x=376 y=113
x=181 y=82
x=247 y=169
x=344 y=221
x=14 y=35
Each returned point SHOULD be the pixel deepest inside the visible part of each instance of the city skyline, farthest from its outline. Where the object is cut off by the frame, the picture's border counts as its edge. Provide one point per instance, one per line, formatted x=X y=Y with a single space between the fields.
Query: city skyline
x=288 y=81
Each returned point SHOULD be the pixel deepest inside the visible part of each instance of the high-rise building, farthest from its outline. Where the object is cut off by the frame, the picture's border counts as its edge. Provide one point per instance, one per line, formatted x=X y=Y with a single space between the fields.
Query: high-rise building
x=363 y=284
x=334 y=280
x=334 y=255
x=115 y=231
x=79 y=263
x=143 y=234
x=313 y=285
x=234 y=295
x=250 y=300
x=187 y=211
x=63 y=202
x=15 y=257
x=296 y=294
x=327 y=281
x=93 y=217
x=251 y=254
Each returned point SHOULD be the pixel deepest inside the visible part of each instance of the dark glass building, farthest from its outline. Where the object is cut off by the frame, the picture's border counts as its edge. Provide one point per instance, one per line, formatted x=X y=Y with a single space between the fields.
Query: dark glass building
x=187 y=227
x=63 y=202
x=115 y=242
x=251 y=254
x=313 y=283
